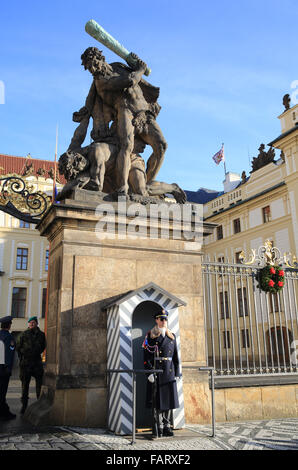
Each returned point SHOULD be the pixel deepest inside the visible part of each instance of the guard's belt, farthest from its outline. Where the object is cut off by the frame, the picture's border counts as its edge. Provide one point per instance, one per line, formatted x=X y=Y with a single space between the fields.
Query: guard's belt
x=164 y=358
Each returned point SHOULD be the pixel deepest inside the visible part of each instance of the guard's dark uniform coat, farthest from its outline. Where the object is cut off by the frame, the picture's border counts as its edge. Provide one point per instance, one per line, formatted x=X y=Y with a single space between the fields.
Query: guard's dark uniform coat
x=6 y=368
x=166 y=347
x=9 y=345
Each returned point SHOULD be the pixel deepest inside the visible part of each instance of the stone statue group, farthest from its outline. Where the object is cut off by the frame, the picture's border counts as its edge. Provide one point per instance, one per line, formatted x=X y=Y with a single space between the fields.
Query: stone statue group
x=124 y=108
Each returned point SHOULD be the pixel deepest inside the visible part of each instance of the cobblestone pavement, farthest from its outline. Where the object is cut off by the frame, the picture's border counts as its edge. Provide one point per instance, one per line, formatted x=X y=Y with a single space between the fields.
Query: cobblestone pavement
x=95 y=439
x=275 y=434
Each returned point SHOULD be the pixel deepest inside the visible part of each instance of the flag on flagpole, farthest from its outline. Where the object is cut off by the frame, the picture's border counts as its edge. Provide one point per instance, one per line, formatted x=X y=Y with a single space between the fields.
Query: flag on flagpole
x=219 y=156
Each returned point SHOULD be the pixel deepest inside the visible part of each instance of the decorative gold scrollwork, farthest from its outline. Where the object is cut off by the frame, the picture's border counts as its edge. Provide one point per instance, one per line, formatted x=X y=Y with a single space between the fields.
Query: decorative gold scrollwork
x=290 y=260
x=16 y=192
x=268 y=255
x=243 y=259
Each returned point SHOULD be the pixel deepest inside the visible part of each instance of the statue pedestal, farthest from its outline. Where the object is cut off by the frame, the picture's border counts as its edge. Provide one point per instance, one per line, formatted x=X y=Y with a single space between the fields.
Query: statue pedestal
x=89 y=268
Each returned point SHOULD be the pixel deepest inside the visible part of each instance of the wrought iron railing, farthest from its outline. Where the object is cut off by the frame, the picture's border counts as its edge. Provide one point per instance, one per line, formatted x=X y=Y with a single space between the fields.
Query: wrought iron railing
x=249 y=331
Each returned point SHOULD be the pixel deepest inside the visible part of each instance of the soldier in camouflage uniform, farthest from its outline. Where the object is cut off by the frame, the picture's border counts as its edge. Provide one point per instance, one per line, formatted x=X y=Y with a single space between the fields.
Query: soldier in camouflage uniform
x=30 y=346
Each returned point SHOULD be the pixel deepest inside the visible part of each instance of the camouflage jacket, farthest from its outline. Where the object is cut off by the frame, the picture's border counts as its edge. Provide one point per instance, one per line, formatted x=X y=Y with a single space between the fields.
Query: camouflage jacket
x=30 y=345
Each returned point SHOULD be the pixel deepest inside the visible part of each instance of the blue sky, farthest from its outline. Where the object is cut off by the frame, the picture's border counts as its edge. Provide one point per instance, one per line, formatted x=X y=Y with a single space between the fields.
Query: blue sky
x=222 y=68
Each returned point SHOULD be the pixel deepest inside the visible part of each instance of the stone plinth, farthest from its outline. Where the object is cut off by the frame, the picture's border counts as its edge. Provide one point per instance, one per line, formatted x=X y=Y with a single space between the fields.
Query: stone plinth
x=88 y=270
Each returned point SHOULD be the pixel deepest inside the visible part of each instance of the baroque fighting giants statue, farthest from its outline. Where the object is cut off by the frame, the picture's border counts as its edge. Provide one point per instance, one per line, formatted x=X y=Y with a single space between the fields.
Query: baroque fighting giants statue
x=123 y=107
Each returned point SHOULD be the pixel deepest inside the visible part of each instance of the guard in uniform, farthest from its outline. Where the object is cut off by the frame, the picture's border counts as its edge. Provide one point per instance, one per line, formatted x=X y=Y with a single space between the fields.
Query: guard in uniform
x=30 y=346
x=7 y=350
x=160 y=352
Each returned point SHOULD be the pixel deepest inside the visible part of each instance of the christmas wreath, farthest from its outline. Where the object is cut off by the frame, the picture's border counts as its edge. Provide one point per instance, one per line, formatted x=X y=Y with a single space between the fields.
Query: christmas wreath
x=271 y=279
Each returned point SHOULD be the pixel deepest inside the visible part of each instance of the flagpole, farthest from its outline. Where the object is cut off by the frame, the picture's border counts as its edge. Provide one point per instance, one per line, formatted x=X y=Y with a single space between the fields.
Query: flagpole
x=55 y=169
x=223 y=149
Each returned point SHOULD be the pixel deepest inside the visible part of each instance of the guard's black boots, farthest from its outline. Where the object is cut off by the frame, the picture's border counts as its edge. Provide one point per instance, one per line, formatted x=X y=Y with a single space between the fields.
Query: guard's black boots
x=8 y=415
x=167 y=432
x=157 y=433
x=5 y=413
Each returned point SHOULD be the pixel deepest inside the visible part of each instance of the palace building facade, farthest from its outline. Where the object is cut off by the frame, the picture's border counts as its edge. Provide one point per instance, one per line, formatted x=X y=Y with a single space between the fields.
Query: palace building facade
x=263 y=205
x=24 y=253
x=248 y=331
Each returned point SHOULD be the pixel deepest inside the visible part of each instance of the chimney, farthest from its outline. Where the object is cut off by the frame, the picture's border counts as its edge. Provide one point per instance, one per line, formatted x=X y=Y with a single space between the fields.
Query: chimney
x=232 y=180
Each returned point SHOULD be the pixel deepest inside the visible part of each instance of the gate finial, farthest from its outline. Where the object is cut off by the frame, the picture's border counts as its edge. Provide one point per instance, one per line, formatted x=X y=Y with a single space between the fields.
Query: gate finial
x=268 y=255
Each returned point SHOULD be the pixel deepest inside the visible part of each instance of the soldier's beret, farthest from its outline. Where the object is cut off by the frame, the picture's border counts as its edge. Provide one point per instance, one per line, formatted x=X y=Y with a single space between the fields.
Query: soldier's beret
x=33 y=319
x=6 y=319
x=163 y=314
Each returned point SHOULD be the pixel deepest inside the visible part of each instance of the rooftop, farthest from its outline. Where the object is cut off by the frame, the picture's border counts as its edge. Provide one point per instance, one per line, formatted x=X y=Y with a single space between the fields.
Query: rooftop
x=27 y=166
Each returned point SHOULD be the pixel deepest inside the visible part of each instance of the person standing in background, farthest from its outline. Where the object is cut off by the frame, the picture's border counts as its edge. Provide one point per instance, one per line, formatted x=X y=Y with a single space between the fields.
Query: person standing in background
x=7 y=351
x=30 y=346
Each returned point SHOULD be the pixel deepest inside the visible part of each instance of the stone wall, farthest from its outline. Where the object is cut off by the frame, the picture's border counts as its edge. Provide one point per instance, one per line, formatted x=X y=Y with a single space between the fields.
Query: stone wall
x=256 y=403
x=86 y=273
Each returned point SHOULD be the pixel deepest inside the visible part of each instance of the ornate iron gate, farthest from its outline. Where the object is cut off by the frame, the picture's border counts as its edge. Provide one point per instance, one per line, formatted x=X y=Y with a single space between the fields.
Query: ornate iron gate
x=18 y=199
x=249 y=331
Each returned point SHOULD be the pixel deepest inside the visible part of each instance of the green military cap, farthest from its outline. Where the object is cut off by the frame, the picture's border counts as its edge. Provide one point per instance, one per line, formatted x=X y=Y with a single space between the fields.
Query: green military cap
x=33 y=319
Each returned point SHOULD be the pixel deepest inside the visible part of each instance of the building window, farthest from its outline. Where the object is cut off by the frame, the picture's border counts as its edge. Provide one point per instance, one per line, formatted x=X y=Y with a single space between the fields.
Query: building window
x=226 y=339
x=18 y=304
x=221 y=259
x=22 y=259
x=242 y=302
x=237 y=257
x=219 y=231
x=44 y=302
x=266 y=214
x=46 y=267
x=224 y=307
x=24 y=224
x=237 y=226
x=245 y=338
